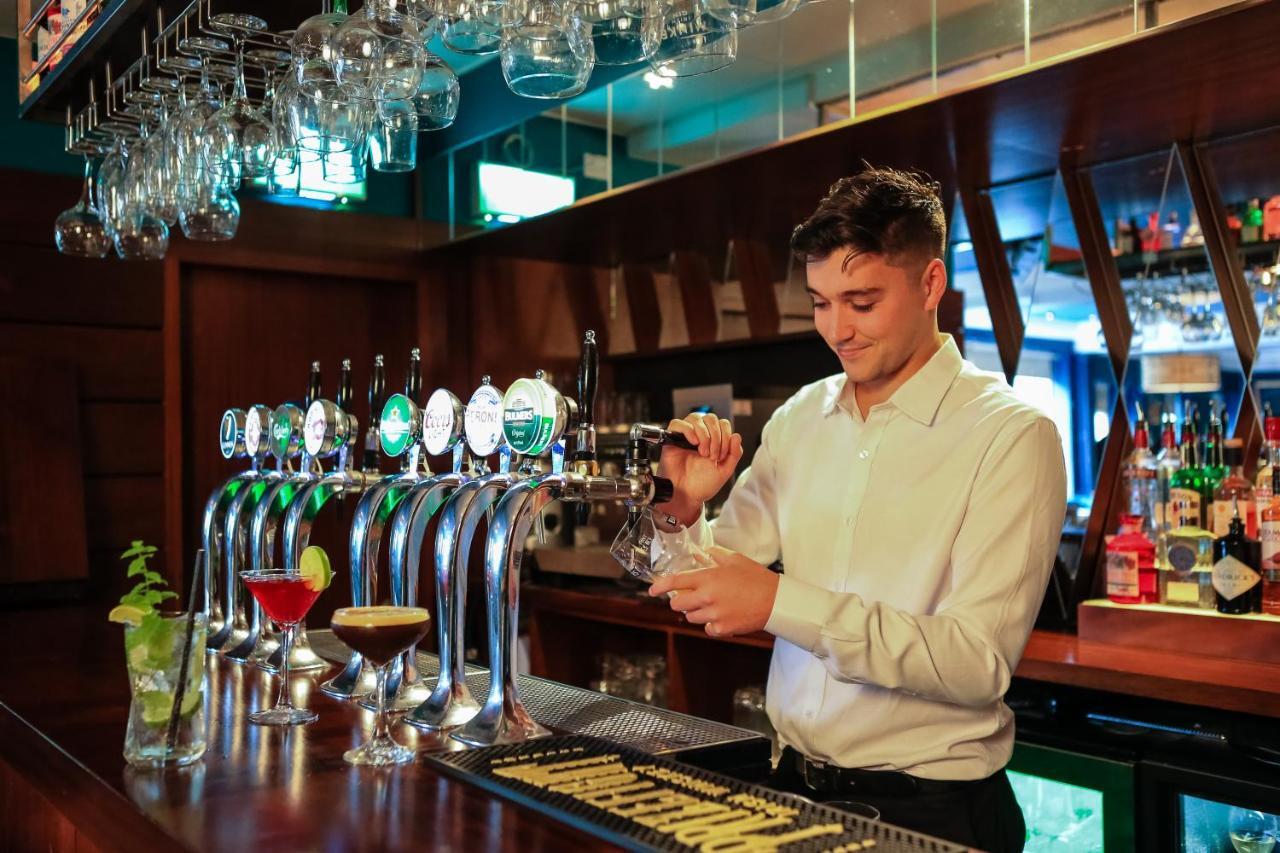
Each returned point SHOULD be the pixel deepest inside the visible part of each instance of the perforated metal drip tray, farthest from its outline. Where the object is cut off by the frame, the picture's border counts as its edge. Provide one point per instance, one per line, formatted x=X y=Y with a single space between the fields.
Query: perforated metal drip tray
x=642 y=802
x=573 y=710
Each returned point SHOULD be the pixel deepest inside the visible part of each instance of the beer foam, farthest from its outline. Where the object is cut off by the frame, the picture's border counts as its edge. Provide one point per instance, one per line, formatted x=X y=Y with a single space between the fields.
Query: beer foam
x=379 y=617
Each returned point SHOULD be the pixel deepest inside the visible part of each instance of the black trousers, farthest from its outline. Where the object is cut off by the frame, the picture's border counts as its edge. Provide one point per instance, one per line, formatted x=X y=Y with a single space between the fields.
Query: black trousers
x=982 y=814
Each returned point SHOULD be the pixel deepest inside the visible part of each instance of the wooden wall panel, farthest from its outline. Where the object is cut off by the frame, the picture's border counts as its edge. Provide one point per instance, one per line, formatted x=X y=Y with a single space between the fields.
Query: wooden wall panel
x=122 y=438
x=41 y=286
x=112 y=364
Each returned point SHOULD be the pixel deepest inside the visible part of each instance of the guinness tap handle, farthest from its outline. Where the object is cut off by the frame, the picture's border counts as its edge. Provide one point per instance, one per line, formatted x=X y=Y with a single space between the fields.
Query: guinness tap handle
x=588 y=381
x=343 y=400
x=313 y=385
x=377 y=399
x=413 y=379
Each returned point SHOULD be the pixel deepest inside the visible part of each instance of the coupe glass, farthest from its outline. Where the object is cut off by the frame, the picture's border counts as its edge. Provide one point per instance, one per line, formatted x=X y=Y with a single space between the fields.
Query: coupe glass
x=436 y=101
x=744 y=13
x=285 y=598
x=380 y=634
x=693 y=42
x=79 y=231
x=548 y=53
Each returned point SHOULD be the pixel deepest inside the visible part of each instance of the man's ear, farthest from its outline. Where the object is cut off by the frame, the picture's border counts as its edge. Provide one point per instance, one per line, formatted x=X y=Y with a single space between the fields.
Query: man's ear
x=934 y=282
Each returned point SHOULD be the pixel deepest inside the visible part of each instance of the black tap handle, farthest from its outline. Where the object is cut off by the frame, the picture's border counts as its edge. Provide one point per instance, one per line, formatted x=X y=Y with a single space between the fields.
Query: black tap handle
x=377 y=391
x=313 y=385
x=343 y=400
x=413 y=379
x=588 y=380
x=675 y=439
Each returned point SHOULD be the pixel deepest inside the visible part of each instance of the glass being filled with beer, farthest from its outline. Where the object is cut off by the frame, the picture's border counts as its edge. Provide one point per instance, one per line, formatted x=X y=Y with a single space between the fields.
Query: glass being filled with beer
x=380 y=634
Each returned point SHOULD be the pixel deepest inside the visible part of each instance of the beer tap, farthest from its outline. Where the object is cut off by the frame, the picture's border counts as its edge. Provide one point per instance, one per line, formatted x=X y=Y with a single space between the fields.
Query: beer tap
x=231 y=441
x=399 y=433
x=329 y=431
x=451 y=703
x=257 y=421
x=442 y=428
x=283 y=440
x=533 y=417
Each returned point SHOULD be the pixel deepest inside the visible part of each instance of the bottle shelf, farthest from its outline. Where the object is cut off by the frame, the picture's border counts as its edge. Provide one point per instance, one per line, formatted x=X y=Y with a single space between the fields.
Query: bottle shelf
x=1193 y=258
x=1203 y=633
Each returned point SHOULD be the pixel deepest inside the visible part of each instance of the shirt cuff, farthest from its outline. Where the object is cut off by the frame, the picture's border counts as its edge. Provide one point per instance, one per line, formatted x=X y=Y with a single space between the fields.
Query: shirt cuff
x=699 y=533
x=799 y=612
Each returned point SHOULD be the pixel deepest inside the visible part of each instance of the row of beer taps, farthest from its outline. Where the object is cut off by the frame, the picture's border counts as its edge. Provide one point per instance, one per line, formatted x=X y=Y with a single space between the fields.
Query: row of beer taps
x=530 y=428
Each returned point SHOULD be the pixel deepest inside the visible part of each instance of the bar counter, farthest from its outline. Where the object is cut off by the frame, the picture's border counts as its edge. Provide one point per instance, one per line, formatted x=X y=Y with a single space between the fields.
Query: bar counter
x=64 y=785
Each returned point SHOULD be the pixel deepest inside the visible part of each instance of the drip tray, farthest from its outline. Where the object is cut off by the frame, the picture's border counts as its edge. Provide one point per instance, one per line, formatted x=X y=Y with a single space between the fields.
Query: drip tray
x=574 y=710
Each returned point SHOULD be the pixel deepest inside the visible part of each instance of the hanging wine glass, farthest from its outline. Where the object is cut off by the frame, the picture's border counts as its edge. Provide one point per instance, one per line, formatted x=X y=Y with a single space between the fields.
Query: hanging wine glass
x=139 y=235
x=79 y=231
x=547 y=53
x=377 y=51
x=624 y=31
x=239 y=142
x=693 y=42
x=111 y=179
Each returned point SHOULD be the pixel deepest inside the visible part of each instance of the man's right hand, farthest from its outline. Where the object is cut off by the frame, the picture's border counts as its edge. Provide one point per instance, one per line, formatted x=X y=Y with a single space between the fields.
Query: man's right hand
x=698 y=475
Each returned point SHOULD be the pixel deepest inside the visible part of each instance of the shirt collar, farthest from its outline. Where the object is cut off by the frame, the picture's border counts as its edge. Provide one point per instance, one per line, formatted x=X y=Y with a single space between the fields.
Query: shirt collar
x=921 y=395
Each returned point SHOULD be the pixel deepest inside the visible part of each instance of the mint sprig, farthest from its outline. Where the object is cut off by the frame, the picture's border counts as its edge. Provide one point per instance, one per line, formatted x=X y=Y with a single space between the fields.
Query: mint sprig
x=147 y=644
x=144 y=595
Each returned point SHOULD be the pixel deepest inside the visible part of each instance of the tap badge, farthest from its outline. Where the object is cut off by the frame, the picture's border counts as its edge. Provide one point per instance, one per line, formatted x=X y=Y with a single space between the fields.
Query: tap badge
x=315 y=428
x=529 y=416
x=394 y=431
x=252 y=431
x=228 y=434
x=440 y=425
x=483 y=420
x=281 y=432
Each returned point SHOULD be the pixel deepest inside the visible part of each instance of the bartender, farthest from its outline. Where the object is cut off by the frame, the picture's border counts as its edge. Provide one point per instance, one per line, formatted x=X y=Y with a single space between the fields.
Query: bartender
x=915 y=507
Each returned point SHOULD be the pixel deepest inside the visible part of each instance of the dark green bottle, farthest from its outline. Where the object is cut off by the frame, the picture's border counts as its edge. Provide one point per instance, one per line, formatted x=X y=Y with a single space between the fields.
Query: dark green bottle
x=1237 y=585
x=1186 y=486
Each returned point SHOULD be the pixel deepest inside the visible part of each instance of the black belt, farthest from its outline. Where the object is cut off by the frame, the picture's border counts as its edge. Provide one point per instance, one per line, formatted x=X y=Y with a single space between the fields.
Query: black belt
x=831 y=780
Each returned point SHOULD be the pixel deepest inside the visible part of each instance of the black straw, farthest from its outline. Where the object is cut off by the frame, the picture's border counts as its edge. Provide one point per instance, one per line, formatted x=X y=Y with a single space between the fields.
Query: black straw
x=180 y=691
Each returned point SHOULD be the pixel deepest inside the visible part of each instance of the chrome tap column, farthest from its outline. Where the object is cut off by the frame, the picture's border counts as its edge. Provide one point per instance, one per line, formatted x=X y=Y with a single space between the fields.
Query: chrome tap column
x=328 y=432
x=399 y=433
x=451 y=703
x=535 y=415
x=231 y=441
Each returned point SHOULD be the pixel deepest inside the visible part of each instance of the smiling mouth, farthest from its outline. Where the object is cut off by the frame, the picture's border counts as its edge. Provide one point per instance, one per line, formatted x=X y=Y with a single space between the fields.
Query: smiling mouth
x=850 y=352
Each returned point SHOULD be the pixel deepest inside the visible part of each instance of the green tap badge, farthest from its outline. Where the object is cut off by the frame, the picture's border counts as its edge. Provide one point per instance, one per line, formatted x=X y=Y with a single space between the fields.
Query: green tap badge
x=396 y=428
x=529 y=416
x=281 y=432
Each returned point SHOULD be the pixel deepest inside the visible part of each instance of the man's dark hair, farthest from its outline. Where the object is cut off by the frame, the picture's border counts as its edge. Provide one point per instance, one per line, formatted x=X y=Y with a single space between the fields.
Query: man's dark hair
x=879 y=211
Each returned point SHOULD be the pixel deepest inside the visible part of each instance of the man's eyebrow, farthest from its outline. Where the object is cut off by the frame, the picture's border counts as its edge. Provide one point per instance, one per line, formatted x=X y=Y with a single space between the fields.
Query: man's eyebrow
x=856 y=291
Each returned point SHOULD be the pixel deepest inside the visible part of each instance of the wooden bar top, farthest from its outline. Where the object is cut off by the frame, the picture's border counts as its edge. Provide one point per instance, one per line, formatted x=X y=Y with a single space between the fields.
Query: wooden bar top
x=64 y=701
x=1227 y=684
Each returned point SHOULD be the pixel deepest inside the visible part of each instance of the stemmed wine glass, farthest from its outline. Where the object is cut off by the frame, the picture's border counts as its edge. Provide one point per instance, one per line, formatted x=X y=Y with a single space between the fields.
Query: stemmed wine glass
x=380 y=634
x=79 y=231
x=139 y=234
x=239 y=141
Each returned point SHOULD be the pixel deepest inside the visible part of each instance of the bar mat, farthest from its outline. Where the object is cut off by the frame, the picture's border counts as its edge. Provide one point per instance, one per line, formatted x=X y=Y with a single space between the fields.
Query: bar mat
x=644 y=802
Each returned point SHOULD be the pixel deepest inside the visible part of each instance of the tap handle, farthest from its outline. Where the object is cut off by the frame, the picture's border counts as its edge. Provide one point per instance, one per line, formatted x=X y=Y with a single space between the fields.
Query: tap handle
x=377 y=391
x=313 y=385
x=588 y=380
x=654 y=434
x=343 y=400
x=413 y=379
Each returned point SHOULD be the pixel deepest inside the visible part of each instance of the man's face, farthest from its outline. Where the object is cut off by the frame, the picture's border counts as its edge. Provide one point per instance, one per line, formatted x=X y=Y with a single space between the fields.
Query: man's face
x=873 y=314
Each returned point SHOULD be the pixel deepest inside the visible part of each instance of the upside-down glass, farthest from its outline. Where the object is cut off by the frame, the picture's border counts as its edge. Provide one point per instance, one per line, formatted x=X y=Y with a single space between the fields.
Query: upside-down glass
x=139 y=235
x=239 y=141
x=436 y=101
x=111 y=185
x=377 y=52
x=380 y=634
x=693 y=42
x=745 y=13
x=548 y=53
x=624 y=31
x=79 y=231
x=285 y=598
x=210 y=212
x=393 y=141
x=474 y=27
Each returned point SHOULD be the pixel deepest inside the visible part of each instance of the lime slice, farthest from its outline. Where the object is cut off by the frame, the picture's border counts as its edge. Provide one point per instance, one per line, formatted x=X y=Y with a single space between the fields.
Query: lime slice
x=126 y=614
x=314 y=567
x=190 y=701
x=156 y=705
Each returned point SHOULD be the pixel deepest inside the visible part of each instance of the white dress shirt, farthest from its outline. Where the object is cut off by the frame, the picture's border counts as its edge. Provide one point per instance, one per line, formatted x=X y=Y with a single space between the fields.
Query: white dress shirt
x=917 y=545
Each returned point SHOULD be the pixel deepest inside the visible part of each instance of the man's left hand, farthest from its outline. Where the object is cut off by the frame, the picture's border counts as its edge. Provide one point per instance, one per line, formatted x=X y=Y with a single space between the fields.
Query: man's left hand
x=732 y=596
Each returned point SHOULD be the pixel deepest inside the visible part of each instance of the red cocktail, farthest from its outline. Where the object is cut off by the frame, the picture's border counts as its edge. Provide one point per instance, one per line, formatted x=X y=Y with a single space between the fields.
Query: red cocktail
x=285 y=598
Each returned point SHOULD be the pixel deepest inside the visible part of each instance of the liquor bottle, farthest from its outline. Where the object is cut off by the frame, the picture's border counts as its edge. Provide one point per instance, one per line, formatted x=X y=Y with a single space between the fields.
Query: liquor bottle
x=1214 y=468
x=1251 y=224
x=1171 y=232
x=1168 y=461
x=1124 y=238
x=1186 y=571
x=1269 y=534
x=1186 y=487
x=1236 y=558
x=1234 y=493
x=1271 y=219
x=1234 y=224
x=1150 y=235
x=1267 y=462
x=1140 y=473
x=1131 y=563
x=1193 y=236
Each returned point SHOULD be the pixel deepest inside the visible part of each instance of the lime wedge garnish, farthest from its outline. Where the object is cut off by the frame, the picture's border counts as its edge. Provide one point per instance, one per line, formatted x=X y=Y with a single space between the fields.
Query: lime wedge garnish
x=126 y=614
x=313 y=565
x=190 y=701
x=156 y=705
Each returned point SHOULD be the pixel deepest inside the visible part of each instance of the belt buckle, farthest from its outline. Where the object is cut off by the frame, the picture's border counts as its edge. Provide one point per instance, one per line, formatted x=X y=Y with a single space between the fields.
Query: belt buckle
x=817 y=776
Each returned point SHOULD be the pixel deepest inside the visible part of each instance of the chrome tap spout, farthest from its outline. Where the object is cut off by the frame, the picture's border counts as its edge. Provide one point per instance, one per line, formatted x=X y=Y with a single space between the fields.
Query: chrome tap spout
x=503 y=719
x=212 y=531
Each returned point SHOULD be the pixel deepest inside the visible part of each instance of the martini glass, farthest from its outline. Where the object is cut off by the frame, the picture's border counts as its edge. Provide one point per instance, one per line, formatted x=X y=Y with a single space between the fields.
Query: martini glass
x=380 y=634
x=285 y=597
